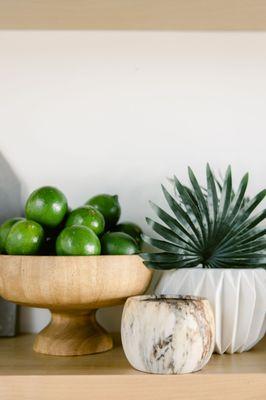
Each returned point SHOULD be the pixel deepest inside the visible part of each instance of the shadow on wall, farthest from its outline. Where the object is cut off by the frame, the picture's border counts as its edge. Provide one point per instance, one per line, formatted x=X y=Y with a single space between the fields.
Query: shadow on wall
x=10 y=206
x=10 y=191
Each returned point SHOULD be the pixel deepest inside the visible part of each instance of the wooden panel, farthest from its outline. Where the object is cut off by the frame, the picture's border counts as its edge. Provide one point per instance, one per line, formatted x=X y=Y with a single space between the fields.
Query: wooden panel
x=26 y=375
x=134 y=14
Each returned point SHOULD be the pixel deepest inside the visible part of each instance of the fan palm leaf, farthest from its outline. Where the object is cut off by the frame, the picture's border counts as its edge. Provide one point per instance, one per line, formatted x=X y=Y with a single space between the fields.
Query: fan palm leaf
x=215 y=228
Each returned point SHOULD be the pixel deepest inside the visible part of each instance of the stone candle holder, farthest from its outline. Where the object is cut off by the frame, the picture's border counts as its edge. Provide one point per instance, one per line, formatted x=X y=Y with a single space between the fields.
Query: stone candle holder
x=168 y=334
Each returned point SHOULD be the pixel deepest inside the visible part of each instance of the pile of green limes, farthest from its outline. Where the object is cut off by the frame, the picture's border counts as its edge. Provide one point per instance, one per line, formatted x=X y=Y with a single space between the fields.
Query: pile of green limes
x=50 y=227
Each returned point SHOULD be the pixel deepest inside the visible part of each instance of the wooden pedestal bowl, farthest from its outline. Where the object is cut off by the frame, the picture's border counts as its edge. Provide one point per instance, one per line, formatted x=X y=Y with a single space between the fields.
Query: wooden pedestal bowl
x=72 y=288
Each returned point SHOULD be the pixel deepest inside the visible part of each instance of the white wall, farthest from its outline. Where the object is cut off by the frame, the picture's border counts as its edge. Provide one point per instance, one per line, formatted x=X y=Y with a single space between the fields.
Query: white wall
x=118 y=112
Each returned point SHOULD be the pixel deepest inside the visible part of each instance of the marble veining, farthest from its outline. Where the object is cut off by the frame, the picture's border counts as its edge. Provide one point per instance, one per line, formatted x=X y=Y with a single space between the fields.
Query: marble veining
x=167 y=334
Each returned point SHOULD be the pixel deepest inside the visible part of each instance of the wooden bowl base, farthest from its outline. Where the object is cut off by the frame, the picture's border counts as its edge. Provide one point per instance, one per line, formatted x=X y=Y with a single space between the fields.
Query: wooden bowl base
x=73 y=334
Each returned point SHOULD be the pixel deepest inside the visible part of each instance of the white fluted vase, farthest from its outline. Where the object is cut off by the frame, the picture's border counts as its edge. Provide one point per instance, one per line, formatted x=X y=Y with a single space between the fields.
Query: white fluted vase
x=238 y=299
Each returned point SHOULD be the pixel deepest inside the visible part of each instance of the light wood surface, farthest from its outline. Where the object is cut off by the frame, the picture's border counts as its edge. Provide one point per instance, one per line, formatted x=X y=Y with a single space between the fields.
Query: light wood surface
x=73 y=288
x=25 y=375
x=134 y=14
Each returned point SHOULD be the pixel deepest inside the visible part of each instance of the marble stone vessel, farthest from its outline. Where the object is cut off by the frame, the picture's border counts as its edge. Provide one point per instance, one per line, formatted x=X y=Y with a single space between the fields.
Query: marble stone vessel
x=168 y=334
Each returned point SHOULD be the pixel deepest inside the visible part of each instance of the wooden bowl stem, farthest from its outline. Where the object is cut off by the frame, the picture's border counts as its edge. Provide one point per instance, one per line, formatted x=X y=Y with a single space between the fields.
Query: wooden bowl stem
x=73 y=333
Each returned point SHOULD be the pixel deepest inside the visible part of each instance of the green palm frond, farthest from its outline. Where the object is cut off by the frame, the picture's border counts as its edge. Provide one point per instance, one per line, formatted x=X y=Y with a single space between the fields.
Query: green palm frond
x=213 y=227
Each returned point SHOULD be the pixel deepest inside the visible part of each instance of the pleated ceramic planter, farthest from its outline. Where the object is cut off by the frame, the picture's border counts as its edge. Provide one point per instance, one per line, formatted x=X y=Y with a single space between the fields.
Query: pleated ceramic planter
x=166 y=334
x=238 y=299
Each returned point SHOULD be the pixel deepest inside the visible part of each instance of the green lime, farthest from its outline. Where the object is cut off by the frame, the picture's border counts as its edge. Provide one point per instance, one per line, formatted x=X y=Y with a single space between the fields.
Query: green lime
x=47 y=206
x=118 y=243
x=131 y=229
x=87 y=216
x=4 y=231
x=109 y=207
x=54 y=232
x=25 y=237
x=77 y=240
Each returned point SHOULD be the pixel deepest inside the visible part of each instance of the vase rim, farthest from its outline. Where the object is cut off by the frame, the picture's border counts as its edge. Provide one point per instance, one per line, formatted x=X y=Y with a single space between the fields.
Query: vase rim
x=167 y=297
x=207 y=270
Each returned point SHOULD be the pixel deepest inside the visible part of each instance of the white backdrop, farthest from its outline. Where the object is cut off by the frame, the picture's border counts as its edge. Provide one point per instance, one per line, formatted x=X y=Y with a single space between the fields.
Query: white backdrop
x=118 y=112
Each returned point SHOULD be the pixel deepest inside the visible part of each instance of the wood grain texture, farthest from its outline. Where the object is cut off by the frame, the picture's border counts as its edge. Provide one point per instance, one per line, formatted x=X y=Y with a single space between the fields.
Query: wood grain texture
x=25 y=374
x=71 y=334
x=73 y=288
x=134 y=15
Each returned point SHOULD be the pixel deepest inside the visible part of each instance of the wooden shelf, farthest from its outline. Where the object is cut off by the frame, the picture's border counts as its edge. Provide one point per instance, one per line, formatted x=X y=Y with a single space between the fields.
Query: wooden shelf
x=25 y=375
x=134 y=14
